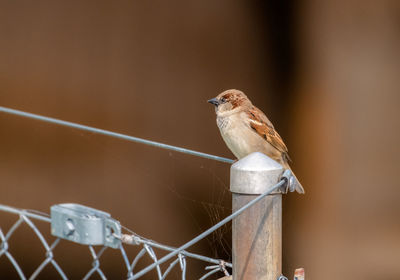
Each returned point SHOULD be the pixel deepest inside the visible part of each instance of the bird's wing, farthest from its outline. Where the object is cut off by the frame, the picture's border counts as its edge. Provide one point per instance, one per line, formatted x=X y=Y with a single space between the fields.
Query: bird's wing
x=262 y=125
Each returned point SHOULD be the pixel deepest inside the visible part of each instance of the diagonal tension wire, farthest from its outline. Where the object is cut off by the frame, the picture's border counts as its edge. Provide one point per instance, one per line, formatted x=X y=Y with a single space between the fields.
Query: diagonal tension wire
x=210 y=230
x=135 y=239
x=113 y=134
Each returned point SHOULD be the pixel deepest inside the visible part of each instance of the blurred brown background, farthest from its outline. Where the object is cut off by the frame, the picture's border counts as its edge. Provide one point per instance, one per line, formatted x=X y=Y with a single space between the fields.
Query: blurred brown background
x=326 y=73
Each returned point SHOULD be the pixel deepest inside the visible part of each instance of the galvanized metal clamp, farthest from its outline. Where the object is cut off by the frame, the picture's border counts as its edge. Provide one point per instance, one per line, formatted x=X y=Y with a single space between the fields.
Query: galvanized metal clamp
x=291 y=181
x=84 y=225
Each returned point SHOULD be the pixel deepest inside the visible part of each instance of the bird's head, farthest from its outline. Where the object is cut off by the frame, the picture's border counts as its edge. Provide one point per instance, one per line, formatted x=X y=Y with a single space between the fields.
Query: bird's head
x=229 y=100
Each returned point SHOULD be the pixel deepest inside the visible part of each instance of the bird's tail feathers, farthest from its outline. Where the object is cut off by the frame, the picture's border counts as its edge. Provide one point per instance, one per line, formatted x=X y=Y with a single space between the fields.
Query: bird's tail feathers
x=299 y=187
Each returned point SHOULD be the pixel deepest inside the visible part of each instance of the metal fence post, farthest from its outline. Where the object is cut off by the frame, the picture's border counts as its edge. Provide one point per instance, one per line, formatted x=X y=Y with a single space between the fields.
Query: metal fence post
x=257 y=232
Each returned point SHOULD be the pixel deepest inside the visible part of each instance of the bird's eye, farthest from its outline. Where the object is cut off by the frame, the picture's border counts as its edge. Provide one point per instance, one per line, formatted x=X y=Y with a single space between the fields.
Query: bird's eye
x=223 y=100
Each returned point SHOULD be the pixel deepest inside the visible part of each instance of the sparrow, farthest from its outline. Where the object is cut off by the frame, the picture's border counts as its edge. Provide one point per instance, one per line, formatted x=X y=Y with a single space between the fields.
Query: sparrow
x=246 y=129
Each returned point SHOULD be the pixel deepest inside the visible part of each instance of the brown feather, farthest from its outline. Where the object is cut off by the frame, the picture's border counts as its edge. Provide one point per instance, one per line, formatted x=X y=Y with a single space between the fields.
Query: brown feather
x=234 y=99
x=262 y=125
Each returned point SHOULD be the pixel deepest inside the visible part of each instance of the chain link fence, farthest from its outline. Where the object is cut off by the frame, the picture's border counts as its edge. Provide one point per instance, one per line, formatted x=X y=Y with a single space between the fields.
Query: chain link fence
x=96 y=229
x=30 y=218
x=92 y=227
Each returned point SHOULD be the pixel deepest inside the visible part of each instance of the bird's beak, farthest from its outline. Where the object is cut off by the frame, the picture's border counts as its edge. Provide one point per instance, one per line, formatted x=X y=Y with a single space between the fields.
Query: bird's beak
x=213 y=101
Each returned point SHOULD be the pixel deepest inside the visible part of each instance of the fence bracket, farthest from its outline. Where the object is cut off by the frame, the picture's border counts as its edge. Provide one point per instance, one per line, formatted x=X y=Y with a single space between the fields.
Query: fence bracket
x=84 y=225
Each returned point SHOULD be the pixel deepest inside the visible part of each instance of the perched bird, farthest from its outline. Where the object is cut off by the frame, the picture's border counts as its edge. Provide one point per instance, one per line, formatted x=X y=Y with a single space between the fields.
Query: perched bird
x=245 y=128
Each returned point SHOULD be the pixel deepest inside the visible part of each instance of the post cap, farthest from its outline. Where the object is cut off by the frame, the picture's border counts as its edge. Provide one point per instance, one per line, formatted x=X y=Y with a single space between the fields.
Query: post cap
x=255 y=174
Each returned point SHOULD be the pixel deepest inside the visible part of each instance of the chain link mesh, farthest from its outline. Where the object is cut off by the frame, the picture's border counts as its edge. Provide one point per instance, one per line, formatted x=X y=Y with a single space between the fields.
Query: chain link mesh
x=29 y=218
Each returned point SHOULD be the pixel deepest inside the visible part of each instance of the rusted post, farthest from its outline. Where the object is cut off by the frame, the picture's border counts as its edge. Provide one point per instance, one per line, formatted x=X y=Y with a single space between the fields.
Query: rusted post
x=257 y=232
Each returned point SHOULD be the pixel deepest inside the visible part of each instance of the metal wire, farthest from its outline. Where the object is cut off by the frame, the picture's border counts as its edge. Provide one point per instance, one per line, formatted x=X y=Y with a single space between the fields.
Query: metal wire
x=180 y=254
x=207 y=232
x=215 y=270
x=27 y=217
x=113 y=134
x=24 y=218
x=136 y=240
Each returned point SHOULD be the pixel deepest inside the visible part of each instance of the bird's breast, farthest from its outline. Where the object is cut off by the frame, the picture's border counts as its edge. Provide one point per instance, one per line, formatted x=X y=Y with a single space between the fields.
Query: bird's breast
x=223 y=122
x=241 y=139
x=237 y=135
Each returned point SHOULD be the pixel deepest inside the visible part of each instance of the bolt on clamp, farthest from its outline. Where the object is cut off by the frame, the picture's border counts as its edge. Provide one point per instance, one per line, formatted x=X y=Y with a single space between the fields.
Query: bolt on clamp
x=84 y=225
